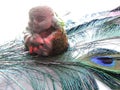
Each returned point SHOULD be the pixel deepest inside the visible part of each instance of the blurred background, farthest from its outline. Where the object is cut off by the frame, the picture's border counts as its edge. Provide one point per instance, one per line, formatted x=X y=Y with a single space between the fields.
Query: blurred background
x=14 y=14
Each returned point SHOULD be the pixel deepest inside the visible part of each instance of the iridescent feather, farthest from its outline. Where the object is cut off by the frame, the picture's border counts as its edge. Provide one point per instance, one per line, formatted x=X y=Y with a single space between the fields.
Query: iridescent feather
x=93 y=54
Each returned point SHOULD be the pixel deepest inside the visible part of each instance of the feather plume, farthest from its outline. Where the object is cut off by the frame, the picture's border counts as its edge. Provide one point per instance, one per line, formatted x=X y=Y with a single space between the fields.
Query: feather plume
x=93 y=54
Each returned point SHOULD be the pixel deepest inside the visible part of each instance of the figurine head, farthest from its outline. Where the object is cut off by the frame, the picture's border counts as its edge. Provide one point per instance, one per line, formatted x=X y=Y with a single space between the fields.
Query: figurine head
x=41 y=18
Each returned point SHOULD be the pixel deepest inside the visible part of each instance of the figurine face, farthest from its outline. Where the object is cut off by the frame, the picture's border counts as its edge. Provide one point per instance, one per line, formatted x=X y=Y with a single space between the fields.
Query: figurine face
x=40 y=19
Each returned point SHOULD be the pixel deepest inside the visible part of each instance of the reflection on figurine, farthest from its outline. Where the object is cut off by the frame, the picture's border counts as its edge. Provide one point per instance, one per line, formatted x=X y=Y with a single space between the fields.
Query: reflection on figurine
x=44 y=35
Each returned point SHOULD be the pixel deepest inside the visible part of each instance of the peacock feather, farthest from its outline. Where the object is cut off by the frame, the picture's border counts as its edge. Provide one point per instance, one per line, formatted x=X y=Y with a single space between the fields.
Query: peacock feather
x=93 y=54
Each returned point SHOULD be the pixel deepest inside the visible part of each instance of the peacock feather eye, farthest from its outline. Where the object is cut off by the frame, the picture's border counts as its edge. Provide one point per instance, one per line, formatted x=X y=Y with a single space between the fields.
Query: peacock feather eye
x=106 y=60
x=103 y=60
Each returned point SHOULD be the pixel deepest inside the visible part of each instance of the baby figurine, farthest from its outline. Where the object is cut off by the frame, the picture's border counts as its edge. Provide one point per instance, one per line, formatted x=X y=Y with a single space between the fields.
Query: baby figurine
x=44 y=35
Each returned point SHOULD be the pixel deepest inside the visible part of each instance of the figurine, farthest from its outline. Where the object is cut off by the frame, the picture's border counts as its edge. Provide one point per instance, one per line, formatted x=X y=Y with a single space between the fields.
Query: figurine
x=44 y=35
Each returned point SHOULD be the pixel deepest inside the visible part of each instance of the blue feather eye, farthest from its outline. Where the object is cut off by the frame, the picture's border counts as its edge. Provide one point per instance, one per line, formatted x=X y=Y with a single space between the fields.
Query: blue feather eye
x=103 y=60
